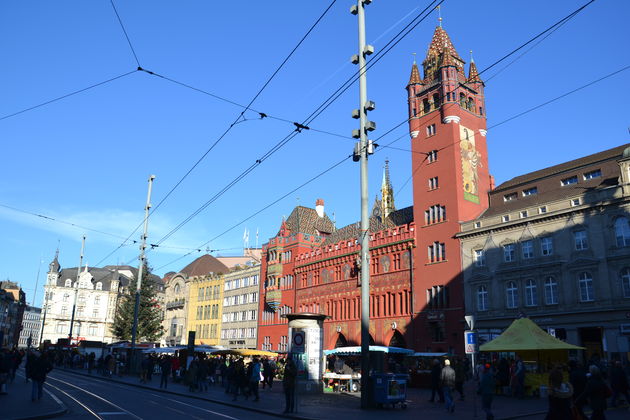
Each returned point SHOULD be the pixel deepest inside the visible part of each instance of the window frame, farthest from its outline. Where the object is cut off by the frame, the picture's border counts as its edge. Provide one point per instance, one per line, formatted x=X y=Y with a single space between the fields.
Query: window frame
x=511 y=295
x=531 y=293
x=585 y=287
x=509 y=249
x=482 y=298
x=551 y=290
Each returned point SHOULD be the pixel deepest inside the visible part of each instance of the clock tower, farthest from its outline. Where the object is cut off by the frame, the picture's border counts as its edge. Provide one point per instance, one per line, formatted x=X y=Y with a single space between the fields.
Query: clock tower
x=447 y=124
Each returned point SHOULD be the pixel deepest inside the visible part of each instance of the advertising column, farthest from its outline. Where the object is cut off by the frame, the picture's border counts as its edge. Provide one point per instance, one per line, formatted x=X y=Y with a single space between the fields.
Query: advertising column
x=306 y=348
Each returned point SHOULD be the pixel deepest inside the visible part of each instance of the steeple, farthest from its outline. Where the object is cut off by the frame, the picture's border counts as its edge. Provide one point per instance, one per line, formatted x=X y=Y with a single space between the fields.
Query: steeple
x=473 y=75
x=415 y=75
x=441 y=53
x=387 y=193
x=54 y=266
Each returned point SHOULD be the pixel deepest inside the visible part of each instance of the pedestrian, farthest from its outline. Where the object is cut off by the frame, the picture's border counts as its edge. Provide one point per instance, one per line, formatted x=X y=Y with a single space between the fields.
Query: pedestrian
x=165 y=370
x=111 y=365
x=288 y=384
x=618 y=383
x=239 y=380
x=436 y=371
x=175 y=368
x=447 y=379
x=100 y=366
x=487 y=385
x=596 y=392
x=577 y=377
x=519 y=377
x=150 y=367
x=38 y=371
x=254 y=378
x=5 y=367
x=266 y=372
x=144 y=367
x=202 y=375
x=191 y=375
x=91 y=362
x=460 y=377
x=560 y=394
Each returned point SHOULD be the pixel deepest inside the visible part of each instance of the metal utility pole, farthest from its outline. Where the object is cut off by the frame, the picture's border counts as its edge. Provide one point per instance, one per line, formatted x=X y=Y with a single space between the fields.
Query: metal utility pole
x=76 y=291
x=143 y=246
x=361 y=152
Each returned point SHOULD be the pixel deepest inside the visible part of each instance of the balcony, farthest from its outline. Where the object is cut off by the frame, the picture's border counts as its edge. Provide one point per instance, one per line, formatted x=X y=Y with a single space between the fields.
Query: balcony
x=176 y=304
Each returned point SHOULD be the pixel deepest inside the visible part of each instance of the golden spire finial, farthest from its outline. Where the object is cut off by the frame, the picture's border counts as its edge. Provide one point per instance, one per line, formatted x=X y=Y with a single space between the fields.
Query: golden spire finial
x=414 y=57
x=472 y=60
x=439 y=15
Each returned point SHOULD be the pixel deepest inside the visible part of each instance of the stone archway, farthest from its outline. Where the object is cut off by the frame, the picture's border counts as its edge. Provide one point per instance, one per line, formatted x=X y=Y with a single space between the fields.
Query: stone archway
x=341 y=341
x=397 y=340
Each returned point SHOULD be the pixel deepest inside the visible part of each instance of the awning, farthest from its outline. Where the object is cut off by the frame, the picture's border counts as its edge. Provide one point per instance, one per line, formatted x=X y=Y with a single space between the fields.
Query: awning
x=246 y=352
x=345 y=351
x=523 y=335
x=430 y=354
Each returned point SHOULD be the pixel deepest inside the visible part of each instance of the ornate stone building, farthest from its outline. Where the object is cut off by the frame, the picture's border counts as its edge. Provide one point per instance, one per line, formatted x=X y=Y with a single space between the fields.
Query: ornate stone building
x=97 y=294
x=554 y=245
x=180 y=294
x=31 y=327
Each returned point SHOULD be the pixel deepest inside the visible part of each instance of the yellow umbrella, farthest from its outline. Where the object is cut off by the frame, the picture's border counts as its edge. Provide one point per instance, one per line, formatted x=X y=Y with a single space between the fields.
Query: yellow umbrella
x=246 y=352
x=524 y=334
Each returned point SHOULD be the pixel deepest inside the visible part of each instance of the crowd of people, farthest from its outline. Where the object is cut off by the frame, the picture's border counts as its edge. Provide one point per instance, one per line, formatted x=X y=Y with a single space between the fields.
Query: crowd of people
x=38 y=365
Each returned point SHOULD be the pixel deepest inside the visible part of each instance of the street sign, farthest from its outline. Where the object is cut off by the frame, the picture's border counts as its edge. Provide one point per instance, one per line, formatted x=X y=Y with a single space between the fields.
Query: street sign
x=298 y=342
x=470 y=342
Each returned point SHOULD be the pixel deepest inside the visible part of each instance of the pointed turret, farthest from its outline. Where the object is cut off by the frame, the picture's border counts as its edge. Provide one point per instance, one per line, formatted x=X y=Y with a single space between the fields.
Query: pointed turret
x=473 y=75
x=415 y=75
x=387 y=193
x=54 y=266
x=441 y=53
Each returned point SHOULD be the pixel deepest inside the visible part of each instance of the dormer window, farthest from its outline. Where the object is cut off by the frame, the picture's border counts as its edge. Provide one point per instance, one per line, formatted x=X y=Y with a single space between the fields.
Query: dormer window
x=530 y=191
x=569 y=181
x=68 y=283
x=99 y=286
x=510 y=197
x=593 y=174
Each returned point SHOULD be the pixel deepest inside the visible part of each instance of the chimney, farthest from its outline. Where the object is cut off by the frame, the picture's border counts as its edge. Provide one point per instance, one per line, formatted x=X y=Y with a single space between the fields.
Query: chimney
x=491 y=183
x=319 y=207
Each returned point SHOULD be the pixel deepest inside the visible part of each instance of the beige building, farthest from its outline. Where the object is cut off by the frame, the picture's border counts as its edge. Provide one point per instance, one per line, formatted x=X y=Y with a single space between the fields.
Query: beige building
x=240 y=308
x=204 y=308
x=177 y=294
x=554 y=245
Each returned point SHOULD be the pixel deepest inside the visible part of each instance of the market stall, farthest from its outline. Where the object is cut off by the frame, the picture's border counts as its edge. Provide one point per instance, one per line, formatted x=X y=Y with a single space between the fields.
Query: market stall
x=419 y=366
x=539 y=351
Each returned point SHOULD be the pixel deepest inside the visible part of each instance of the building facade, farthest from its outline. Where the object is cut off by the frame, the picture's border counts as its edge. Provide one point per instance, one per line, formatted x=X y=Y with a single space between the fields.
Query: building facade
x=178 y=298
x=31 y=327
x=447 y=123
x=204 y=308
x=554 y=245
x=239 y=320
x=12 y=305
x=94 y=293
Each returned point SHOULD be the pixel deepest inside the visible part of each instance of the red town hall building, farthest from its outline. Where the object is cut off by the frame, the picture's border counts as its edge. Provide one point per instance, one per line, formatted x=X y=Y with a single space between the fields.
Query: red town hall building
x=416 y=284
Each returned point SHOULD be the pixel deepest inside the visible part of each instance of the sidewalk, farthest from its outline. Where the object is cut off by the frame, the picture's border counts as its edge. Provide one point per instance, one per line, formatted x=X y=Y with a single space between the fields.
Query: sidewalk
x=345 y=405
x=17 y=405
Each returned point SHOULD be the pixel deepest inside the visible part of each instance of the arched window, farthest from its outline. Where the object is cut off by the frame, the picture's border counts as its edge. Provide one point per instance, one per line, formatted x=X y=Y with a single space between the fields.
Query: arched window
x=65 y=297
x=68 y=283
x=551 y=291
x=99 y=286
x=531 y=297
x=622 y=232
x=177 y=289
x=436 y=101
x=586 y=287
x=462 y=100
x=625 y=282
x=426 y=106
x=471 y=105
x=482 y=298
x=511 y=295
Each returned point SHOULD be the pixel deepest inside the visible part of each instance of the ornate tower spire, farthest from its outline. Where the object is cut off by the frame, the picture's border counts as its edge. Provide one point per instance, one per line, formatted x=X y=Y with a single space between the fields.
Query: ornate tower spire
x=473 y=75
x=415 y=73
x=387 y=193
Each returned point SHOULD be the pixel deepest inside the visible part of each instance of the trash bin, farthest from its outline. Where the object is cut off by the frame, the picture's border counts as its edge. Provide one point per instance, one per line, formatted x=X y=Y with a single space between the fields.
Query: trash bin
x=389 y=388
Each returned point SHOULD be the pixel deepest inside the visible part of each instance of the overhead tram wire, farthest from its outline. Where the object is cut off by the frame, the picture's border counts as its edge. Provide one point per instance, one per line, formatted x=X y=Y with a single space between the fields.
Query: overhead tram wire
x=393 y=42
x=120 y=76
x=241 y=114
x=125 y=32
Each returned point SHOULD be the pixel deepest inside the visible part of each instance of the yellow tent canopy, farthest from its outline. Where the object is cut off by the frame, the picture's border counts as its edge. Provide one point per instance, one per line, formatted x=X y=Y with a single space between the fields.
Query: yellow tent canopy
x=524 y=334
x=246 y=352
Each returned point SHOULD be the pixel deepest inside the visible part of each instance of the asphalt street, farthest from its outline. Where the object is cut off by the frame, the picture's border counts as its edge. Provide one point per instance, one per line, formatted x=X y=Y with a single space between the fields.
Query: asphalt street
x=97 y=398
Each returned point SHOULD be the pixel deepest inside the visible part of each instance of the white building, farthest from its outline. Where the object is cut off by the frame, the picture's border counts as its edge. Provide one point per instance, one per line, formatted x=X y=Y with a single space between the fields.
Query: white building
x=96 y=294
x=31 y=324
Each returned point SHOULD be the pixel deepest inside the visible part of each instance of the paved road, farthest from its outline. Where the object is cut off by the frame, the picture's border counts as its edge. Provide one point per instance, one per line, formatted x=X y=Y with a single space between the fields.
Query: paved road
x=96 y=398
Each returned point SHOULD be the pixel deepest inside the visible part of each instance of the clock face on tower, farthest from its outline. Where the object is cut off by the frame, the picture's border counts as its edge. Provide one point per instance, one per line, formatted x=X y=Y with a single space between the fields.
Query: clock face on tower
x=376 y=212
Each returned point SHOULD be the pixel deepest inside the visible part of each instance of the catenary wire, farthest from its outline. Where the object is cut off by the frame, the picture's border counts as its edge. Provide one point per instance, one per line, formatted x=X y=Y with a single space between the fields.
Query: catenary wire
x=120 y=76
x=125 y=32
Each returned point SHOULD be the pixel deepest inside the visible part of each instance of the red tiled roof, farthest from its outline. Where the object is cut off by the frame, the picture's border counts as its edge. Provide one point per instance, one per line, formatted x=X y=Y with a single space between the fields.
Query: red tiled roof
x=415 y=75
x=440 y=43
x=204 y=265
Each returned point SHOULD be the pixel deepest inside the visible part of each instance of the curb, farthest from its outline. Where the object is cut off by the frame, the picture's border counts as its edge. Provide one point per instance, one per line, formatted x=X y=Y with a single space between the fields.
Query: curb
x=520 y=416
x=181 y=394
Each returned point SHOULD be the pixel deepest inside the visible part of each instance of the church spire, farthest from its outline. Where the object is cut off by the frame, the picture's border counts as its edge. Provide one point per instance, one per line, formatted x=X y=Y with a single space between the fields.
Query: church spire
x=415 y=73
x=387 y=193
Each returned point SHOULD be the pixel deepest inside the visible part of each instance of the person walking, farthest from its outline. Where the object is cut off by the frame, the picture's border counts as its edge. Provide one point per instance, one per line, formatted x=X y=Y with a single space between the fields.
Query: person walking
x=447 y=379
x=618 y=383
x=519 y=377
x=560 y=394
x=577 y=377
x=436 y=371
x=487 y=385
x=288 y=384
x=165 y=370
x=91 y=362
x=254 y=379
x=38 y=371
x=596 y=392
x=460 y=377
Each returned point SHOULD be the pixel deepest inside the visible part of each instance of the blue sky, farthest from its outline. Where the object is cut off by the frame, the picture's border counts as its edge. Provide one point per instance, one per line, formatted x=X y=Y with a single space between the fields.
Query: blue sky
x=85 y=159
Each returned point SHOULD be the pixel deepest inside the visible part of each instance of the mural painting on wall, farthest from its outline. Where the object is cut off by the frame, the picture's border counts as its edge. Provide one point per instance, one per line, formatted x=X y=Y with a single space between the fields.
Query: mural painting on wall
x=471 y=159
x=346 y=271
x=385 y=263
x=406 y=258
